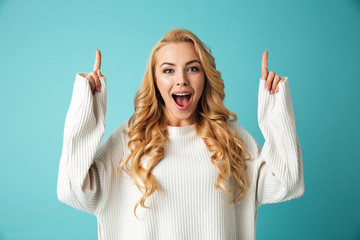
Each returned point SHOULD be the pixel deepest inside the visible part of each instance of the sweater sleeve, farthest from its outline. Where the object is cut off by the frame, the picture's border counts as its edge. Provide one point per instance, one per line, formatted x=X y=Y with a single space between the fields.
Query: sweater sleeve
x=84 y=168
x=278 y=165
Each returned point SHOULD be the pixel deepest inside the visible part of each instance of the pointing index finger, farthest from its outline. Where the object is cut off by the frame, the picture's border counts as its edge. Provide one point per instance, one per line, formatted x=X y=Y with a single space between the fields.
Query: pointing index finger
x=97 y=60
x=264 y=64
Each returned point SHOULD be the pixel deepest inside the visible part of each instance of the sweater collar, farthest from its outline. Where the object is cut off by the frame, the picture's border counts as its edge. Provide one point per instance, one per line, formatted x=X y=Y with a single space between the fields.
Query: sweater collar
x=181 y=131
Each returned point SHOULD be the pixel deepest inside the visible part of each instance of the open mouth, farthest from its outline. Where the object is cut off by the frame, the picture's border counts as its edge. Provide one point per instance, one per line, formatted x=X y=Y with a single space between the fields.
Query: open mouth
x=182 y=100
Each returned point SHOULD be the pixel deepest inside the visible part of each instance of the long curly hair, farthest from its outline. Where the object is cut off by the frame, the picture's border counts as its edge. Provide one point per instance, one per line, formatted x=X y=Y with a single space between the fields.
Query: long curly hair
x=147 y=127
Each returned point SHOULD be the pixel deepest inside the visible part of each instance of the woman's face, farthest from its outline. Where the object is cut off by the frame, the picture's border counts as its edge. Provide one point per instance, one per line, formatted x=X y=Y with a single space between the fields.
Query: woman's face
x=180 y=80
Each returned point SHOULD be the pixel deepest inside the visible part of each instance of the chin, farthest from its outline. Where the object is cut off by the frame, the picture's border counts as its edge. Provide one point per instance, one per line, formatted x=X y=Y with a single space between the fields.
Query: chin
x=181 y=117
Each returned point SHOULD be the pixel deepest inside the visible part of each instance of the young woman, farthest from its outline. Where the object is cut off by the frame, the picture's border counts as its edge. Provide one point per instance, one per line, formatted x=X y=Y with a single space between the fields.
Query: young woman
x=181 y=157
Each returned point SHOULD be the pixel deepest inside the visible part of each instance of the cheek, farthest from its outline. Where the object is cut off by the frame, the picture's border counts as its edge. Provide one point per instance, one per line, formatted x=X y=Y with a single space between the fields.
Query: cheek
x=199 y=86
x=164 y=86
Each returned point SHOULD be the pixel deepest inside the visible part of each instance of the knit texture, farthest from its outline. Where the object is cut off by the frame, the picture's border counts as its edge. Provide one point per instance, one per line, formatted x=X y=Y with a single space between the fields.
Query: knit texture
x=191 y=208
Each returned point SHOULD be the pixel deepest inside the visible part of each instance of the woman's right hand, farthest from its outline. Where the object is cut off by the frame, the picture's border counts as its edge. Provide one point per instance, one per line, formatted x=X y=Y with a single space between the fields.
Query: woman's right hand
x=94 y=76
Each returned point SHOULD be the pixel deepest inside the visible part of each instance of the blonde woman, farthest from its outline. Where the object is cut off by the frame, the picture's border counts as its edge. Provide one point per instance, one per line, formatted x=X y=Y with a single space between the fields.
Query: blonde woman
x=180 y=167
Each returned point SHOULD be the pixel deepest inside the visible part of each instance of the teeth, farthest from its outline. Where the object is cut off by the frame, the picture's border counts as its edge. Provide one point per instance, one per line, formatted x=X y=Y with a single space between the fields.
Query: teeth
x=182 y=94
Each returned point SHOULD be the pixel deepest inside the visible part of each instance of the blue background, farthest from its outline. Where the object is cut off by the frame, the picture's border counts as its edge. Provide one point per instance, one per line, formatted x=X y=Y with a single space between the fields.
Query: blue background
x=315 y=43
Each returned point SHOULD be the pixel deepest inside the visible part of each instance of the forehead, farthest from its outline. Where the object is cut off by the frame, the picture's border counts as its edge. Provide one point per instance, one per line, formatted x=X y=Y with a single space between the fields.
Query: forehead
x=177 y=53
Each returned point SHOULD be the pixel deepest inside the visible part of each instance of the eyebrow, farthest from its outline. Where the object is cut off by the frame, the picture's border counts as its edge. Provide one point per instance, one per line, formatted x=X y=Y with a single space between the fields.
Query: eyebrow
x=192 y=61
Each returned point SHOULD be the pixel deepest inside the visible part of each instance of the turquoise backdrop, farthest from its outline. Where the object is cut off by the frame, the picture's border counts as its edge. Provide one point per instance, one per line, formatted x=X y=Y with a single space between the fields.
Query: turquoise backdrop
x=315 y=43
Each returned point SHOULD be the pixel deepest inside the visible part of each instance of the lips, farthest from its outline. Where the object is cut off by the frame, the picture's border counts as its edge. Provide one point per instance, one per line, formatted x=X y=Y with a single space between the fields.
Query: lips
x=182 y=100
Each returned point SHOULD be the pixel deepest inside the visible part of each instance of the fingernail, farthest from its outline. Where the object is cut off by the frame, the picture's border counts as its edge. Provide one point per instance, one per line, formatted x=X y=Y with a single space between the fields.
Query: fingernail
x=267 y=87
x=277 y=90
x=98 y=89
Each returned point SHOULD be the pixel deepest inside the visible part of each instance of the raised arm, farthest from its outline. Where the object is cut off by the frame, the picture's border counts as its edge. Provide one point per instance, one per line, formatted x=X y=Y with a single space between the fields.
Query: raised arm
x=279 y=171
x=83 y=165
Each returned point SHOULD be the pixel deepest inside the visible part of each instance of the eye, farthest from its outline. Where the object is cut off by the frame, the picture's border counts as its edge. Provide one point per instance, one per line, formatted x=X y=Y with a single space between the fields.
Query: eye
x=194 y=69
x=167 y=70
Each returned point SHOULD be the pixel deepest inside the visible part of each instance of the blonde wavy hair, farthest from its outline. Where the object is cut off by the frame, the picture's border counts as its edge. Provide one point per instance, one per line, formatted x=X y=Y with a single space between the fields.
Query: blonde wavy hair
x=147 y=127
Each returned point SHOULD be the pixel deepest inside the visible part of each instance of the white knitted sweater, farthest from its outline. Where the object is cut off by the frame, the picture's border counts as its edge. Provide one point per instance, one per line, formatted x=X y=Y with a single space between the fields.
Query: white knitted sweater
x=191 y=208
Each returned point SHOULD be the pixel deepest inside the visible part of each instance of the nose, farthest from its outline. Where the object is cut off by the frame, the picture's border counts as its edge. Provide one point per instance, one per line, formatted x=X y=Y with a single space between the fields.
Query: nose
x=182 y=79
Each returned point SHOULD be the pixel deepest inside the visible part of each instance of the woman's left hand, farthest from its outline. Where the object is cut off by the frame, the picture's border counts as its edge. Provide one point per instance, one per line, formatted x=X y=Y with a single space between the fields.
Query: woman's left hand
x=271 y=78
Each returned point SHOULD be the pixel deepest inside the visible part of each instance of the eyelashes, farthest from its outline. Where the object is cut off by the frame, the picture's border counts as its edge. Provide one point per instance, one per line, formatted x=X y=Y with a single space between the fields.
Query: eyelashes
x=166 y=70
x=196 y=69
